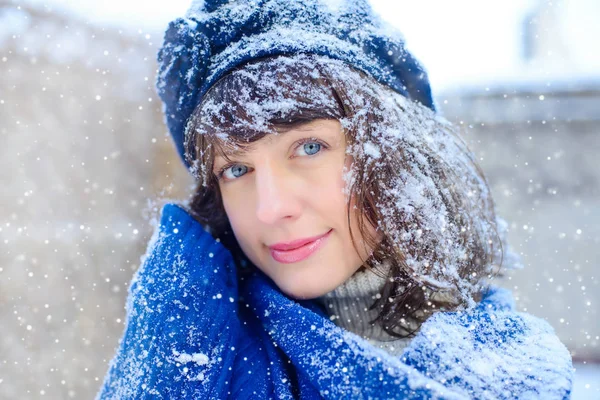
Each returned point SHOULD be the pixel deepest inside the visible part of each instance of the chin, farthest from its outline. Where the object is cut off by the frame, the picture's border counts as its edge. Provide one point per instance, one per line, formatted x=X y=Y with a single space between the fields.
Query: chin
x=296 y=289
x=302 y=290
x=303 y=294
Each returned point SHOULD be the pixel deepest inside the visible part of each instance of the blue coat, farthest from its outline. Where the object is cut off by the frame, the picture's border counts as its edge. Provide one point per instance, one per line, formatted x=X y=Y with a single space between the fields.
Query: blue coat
x=193 y=330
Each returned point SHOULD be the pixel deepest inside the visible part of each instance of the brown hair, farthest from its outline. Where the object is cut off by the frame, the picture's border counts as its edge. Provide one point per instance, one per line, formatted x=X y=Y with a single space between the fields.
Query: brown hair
x=413 y=177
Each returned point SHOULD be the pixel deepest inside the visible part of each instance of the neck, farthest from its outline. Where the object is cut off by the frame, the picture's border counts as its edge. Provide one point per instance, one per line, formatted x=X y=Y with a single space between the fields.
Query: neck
x=348 y=307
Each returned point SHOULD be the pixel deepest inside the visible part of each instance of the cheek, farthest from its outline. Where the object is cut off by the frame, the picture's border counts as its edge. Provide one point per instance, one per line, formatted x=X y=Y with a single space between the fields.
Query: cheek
x=342 y=192
x=332 y=183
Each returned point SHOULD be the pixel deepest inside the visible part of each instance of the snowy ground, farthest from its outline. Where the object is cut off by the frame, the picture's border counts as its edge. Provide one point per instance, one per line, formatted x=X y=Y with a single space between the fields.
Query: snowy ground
x=587 y=382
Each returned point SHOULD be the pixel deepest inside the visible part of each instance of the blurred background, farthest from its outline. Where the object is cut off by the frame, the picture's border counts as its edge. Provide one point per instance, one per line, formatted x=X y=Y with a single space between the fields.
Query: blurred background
x=86 y=163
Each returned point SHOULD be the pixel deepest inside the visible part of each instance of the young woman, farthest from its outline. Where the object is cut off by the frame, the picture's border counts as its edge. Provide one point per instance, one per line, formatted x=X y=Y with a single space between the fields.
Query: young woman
x=341 y=240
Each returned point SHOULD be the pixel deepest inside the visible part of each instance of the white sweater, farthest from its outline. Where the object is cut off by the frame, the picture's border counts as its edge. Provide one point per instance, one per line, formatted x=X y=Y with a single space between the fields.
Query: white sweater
x=348 y=307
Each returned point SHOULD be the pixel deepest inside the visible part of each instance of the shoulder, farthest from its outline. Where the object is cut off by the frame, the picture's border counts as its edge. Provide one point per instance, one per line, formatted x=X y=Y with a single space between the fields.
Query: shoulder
x=493 y=349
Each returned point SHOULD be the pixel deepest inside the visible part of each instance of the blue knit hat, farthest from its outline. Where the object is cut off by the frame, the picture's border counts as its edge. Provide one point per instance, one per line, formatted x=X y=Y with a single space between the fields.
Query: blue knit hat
x=216 y=36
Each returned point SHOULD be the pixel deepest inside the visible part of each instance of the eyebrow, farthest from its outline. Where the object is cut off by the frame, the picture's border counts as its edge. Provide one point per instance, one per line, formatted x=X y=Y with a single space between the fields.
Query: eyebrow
x=232 y=153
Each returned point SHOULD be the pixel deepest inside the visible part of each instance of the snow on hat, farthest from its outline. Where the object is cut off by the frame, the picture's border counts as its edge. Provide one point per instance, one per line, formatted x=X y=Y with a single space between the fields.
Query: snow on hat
x=216 y=36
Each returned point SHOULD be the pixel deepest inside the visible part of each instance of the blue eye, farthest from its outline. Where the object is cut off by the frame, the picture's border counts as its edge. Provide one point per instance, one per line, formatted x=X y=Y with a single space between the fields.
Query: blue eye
x=310 y=148
x=235 y=170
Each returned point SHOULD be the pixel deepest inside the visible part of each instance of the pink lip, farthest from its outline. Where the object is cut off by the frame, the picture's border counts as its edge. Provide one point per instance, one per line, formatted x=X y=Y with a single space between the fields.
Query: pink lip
x=298 y=253
x=294 y=244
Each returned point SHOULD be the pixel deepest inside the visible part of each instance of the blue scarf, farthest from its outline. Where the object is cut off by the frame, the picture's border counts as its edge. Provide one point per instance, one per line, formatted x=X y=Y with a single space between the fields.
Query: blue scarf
x=194 y=331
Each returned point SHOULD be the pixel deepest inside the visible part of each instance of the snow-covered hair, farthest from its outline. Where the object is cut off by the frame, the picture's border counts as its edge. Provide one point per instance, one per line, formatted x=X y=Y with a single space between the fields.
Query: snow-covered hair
x=413 y=177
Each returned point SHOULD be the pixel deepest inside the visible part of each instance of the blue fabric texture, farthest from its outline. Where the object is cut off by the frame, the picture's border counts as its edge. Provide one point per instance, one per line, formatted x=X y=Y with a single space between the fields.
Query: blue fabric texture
x=194 y=330
x=215 y=37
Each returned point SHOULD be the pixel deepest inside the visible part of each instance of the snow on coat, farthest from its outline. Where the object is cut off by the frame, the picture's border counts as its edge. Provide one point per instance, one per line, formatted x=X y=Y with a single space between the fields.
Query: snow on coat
x=193 y=331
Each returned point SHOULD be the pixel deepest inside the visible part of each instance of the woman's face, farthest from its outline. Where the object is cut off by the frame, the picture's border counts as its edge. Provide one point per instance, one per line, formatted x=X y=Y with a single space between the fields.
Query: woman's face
x=290 y=186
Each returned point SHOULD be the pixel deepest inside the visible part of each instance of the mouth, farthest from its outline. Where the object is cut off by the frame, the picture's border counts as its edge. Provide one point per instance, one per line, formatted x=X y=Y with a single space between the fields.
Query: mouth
x=300 y=253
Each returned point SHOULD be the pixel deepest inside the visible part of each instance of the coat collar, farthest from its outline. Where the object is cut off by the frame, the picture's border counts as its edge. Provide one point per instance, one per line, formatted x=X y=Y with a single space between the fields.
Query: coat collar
x=490 y=349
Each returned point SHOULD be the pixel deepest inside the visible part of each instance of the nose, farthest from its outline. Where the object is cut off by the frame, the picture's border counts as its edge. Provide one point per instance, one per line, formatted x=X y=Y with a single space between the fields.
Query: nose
x=276 y=194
